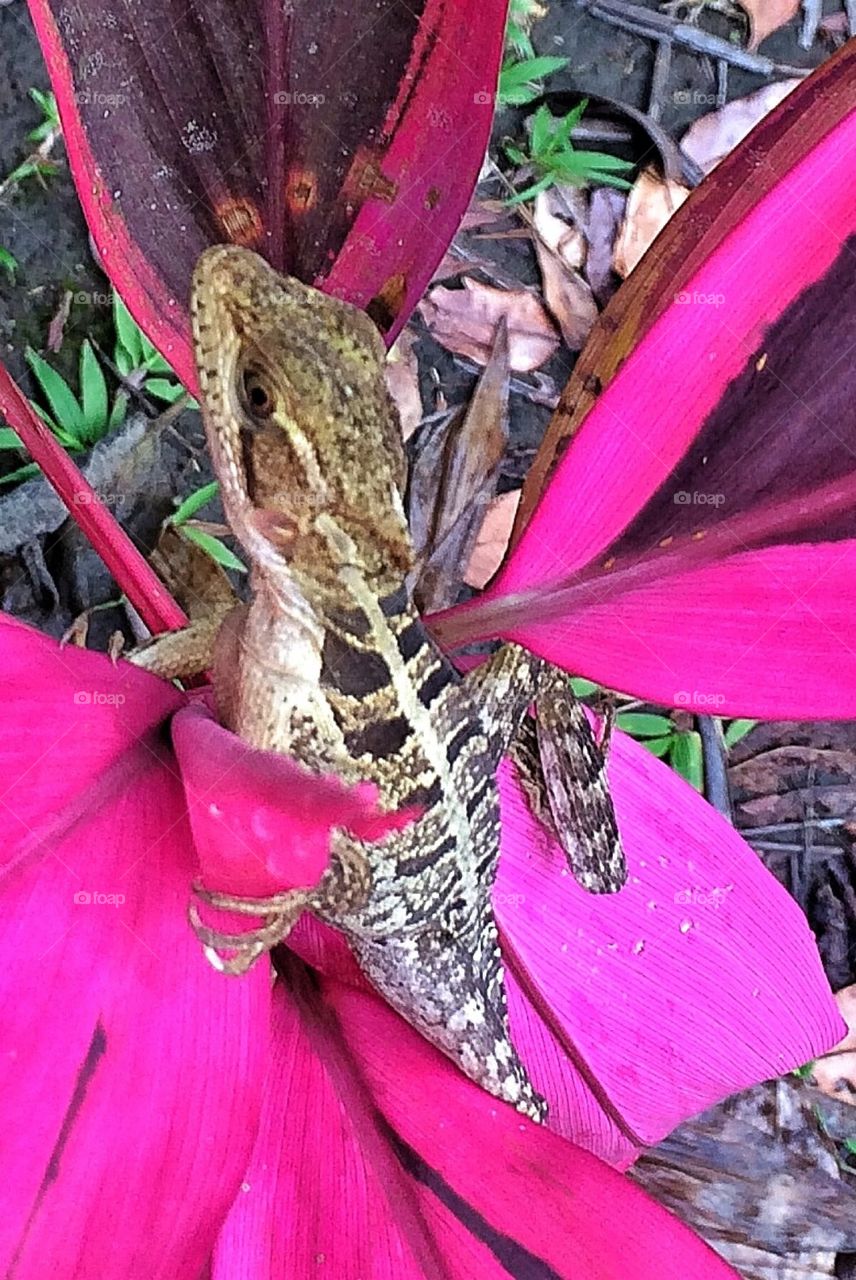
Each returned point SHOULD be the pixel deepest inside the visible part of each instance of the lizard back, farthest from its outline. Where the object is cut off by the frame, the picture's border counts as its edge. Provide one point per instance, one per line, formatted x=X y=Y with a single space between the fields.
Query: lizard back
x=330 y=661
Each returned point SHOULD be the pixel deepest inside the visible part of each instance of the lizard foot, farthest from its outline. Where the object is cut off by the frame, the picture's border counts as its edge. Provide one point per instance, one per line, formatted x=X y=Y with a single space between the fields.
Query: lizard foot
x=236 y=953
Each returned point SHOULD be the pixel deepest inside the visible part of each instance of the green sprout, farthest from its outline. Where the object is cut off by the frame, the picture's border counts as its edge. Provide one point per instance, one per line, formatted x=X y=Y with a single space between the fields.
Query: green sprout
x=8 y=261
x=554 y=159
x=518 y=41
x=139 y=361
x=520 y=82
x=214 y=547
x=38 y=164
x=80 y=419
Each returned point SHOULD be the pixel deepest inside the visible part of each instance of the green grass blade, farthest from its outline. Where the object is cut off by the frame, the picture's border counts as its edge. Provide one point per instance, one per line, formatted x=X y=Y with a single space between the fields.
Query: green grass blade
x=67 y=412
x=603 y=160
x=128 y=333
x=8 y=439
x=119 y=412
x=93 y=393
x=737 y=730
x=531 y=192
x=687 y=759
x=216 y=549
x=516 y=74
x=21 y=473
x=639 y=724
x=584 y=688
x=658 y=747
x=542 y=128
x=164 y=389
x=194 y=501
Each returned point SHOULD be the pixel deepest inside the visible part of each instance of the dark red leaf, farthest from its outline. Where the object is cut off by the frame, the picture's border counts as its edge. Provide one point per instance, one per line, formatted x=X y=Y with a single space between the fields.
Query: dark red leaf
x=340 y=141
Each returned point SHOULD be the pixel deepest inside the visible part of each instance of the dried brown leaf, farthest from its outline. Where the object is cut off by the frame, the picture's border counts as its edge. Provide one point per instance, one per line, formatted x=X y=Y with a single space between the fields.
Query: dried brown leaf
x=492 y=541
x=606 y=214
x=710 y=138
x=56 y=330
x=650 y=205
x=566 y=240
x=402 y=379
x=465 y=321
x=766 y=16
x=835 y=1072
x=483 y=213
x=454 y=482
x=568 y=296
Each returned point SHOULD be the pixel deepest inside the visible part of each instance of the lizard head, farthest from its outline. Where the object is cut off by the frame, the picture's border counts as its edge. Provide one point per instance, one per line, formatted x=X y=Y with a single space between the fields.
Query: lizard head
x=303 y=435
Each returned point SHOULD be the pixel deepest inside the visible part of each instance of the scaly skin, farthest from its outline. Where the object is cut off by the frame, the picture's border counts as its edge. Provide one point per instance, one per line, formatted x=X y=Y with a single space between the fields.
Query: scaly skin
x=331 y=664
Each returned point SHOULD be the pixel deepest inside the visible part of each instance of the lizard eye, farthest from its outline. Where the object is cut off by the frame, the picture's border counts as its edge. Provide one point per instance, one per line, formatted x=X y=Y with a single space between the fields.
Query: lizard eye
x=258 y=400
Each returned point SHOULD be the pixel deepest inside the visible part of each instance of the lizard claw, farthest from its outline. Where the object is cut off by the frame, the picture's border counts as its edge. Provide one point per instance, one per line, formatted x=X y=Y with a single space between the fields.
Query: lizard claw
x=236 y=953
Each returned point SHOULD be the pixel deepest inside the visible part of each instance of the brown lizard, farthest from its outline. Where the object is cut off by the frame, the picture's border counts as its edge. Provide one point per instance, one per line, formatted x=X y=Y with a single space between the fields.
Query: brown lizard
x=331 y=663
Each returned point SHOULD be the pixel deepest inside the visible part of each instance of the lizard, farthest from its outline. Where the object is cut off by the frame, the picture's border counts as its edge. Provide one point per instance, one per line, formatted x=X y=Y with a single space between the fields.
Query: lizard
x=331 y=663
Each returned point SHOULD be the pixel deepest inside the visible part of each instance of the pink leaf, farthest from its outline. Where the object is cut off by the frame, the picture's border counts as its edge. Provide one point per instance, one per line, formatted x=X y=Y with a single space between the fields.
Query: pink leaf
x=714 y=476
x=372 y=1159
x=342 y=145
x=698 y=979
x=131 y=1071
x=261 y=822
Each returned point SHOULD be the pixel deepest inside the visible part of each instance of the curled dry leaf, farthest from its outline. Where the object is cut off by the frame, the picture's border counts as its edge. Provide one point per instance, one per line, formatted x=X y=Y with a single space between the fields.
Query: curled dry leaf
x=449 y=492
x=835 y=1072
x=650 y=205
x=492 y=541
x=710 y=138
x=568 y=296
x=555 y=232
x=465 y=320
x=56 y=331
x=606 y=214
x=402 y=380
x=766 y=16
x=561 y=249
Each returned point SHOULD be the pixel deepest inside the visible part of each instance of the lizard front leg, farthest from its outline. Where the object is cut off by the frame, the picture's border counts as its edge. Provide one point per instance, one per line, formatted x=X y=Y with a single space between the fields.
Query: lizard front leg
x=178 y=655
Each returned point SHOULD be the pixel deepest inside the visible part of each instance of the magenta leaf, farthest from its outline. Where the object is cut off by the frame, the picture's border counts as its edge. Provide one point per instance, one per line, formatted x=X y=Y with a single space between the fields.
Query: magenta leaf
x=700 y=978
x=132 y=1073
x=376 y=1157
x=261 y=822
x=711 y=564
